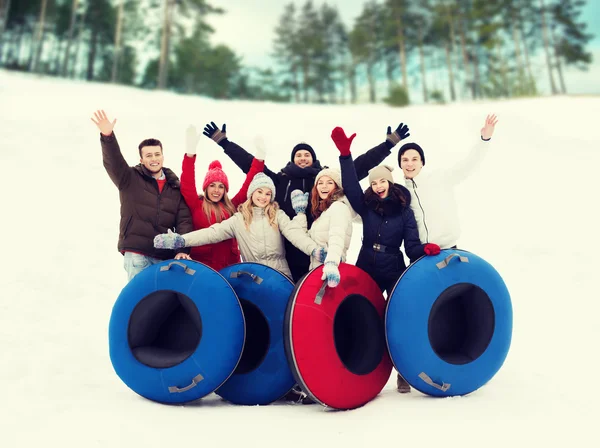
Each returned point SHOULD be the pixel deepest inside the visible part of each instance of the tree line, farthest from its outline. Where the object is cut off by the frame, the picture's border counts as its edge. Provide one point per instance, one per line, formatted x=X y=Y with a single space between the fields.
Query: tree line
x=481 y=48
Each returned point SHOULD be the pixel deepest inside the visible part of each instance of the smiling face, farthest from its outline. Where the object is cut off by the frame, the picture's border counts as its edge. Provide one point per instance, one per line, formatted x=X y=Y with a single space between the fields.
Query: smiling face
x=381 y=187
x=411 y=163
x=325 y=186
x=262 y=197
x=303 y=158
x=152 y=159
x=215 y=191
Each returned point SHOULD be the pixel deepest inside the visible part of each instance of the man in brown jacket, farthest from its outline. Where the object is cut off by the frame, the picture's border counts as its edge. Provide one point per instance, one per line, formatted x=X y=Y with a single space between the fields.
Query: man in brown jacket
x=151 y=201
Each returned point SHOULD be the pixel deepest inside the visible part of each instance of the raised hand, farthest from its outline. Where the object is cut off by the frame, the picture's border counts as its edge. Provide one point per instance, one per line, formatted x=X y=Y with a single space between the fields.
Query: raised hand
x=212 y=131
x=169 y=240
x=259 y=143
x=488 y=128
x=191 y=140
x=341 y=141
x=299 y=201
x=331 y=273
x=103 y=123
x=399 y=134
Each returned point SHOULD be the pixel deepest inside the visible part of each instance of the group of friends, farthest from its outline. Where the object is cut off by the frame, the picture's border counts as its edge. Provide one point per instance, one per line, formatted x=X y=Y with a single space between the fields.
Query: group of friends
x=294 y=219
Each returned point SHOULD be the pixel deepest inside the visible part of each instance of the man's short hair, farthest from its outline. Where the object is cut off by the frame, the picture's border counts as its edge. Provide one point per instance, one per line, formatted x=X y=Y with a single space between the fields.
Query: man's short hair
x=149 y=142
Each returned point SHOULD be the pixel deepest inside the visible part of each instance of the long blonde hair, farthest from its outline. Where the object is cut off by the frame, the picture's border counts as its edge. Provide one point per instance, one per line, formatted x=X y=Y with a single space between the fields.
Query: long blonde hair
x=223 y=209
x=270 y=211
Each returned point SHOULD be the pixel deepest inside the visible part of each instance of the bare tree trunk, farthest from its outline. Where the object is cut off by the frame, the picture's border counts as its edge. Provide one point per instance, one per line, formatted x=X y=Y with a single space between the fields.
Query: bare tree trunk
x=117 y=54
x=402 y=50
x=296 y=84
x=39 y=38
x=14 y=48
x=563 y=87
x=371 y=81
x=4 y=10
x=305 y=68
x=422 y=64
x=65 y=65
x=547 y=47
x=450 y=52
x=518 y=56
x=164 y=46
x=503 y=72
x=352 y=81
x=80 y=27
x=526 y=50
x=389 y=72
x=92 y=55
x=476 y=75
x=465 y=57
x=450 y=71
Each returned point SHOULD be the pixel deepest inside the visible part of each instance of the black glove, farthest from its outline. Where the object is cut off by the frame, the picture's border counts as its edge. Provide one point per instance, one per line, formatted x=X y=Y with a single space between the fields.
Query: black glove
x=400 y=133
x=212 y=131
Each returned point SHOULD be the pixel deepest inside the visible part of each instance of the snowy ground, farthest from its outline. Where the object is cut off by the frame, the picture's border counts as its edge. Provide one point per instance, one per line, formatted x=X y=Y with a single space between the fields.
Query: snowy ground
x=529 y=211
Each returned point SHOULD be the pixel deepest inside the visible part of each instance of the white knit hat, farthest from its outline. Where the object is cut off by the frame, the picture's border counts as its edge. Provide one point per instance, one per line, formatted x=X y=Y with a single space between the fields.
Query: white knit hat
x=335 y=174
x=261 y=180
x=381 y=172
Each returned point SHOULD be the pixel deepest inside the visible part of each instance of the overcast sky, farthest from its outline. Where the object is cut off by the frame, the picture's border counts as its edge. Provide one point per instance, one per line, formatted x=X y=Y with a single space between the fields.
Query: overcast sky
x=249 y=29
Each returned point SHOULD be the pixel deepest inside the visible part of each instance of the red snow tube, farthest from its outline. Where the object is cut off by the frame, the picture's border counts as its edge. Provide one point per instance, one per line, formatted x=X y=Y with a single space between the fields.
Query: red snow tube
x=334 y=338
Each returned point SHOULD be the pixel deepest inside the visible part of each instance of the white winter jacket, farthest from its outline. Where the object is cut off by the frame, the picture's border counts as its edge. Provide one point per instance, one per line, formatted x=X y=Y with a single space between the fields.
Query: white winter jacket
x=333 y=230
x=433 y=200
x=261 y=243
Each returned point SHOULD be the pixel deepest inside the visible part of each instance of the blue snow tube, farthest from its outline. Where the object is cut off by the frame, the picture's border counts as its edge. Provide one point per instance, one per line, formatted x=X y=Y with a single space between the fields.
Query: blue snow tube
x=176 y=332
x=263 y=374
x=449 y=323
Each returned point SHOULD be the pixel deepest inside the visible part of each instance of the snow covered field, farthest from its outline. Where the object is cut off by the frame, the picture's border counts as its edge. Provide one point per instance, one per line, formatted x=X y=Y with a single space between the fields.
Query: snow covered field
x=531 y=211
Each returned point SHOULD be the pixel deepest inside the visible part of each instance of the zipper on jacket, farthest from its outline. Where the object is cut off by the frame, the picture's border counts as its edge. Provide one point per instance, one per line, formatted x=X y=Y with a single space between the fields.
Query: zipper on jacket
x=377 y=240
x=265 y=235
x=286 y=190
x=423 y=210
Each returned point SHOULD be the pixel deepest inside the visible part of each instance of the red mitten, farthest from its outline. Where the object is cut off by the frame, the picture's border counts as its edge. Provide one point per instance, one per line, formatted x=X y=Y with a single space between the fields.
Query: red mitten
x=431 y=249
x=341 y=141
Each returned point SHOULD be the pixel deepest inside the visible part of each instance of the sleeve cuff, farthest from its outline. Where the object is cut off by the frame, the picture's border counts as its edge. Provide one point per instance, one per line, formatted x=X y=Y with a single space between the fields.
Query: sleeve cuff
x=223 y=143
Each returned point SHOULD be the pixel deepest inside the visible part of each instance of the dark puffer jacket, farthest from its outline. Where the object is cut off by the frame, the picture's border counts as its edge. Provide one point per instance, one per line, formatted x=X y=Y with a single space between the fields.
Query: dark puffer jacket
x=144 y=211
x=291 y=178
x=387 y=224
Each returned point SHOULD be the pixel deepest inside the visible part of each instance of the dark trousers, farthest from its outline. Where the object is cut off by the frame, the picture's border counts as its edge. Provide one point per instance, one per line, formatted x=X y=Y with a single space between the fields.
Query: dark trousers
x=297 y=260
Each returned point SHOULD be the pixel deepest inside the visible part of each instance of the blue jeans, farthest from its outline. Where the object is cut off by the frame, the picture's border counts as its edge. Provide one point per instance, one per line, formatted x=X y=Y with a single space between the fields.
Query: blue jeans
x=136 y=263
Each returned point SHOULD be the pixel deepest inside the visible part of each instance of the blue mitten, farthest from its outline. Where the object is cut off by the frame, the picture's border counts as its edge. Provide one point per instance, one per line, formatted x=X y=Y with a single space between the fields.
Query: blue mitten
x=169 y=240
x=331 y=273
x=299 y=201
x=320 y=253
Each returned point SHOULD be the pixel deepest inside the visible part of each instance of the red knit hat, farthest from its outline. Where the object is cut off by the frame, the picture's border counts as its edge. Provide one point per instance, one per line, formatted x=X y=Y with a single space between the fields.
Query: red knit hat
x=215 y=174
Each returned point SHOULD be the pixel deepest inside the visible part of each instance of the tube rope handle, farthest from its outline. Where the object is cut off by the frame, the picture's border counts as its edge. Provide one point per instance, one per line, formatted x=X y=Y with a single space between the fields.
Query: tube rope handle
x=194 y=383
x=186 y=268
x=442 y=264
x=427 y=379
x=321 y=293
x=255 y=278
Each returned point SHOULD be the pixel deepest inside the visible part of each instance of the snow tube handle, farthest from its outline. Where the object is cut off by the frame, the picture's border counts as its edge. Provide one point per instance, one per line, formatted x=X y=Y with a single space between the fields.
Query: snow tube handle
x=186 y=268
x=427 y=379
x=194 y=383
x=442 y=264
x=321 y=293
x=255 y=278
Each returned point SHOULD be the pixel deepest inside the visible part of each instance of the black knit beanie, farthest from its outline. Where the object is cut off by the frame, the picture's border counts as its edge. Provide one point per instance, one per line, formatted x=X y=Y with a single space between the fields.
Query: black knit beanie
x=304 y=147
x=408 y=146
